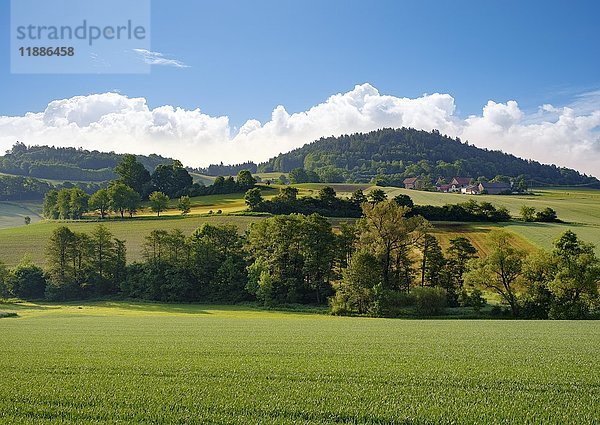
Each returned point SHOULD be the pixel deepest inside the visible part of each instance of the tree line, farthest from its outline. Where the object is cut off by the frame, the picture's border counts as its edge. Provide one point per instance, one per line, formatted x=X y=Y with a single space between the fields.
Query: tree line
x=64 y=163
x=388 y=263
x=135 y=184
x=328 y=204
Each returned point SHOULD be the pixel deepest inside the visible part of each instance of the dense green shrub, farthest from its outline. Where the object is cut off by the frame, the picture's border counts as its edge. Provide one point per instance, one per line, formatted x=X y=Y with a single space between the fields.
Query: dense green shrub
x=27 y=281
x=429 y=301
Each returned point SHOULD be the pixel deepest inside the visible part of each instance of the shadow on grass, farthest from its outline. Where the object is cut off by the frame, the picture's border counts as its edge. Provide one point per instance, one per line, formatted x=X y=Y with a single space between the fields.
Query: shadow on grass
x=23 y=305
x=152 y=307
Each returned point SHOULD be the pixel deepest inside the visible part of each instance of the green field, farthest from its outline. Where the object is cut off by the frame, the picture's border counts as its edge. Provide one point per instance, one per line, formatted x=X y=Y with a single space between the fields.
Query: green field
x=578 y=208
x=13 y=214
x=149 y=363
x=17 y=242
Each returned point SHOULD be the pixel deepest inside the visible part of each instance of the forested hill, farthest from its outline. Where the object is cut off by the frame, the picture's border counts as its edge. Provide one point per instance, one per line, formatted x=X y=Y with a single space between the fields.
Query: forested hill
x=406 y=152
x=67 y=163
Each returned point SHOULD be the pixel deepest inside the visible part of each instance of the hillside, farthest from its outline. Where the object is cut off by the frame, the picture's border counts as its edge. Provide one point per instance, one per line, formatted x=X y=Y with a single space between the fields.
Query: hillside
x=406 y=152
x=49 y=162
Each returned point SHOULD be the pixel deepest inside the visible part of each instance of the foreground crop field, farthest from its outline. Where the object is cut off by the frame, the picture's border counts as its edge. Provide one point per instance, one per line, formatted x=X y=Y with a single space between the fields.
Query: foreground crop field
x=152 y=363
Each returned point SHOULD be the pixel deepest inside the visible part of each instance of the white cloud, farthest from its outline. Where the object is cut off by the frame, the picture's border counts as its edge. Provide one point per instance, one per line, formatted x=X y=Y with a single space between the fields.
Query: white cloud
x=156 y=58
x=110 y=121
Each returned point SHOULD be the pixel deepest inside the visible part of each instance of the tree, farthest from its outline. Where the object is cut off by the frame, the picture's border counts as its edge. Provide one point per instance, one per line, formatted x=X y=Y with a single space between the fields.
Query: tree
x=78 y=203
x=158 y=202
x=404 y=201
x=253 y=198
x=245 y=180
x=155 y=244
x=575 y=284
x=329 y=174
x=539 y=270
x=50 y=209
x=432 y=261
x=500 y=270
x=458 y=255
x=121 y=196
x=377 y=195
x=547 y=215
x=288 y=194
x=300 y=175
x=327 y=195
x=100 y=201
x=355 y=293
x=297 y=252
x=358 y=197
x=390 y=235
x=27 y=281
x=527 y=213
x=184 y=205
x=58 y=252
x=133 y=202
x=132 y=173
x=4 y=286
x=171 y=179
x=27 y=220
x=63 y=204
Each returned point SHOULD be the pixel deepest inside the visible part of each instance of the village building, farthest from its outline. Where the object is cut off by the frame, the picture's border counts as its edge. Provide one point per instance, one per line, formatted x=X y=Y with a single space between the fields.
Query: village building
x=443 y=187
x=416 y=183
x=457 y=183
x=470 y=190
x=495 y=188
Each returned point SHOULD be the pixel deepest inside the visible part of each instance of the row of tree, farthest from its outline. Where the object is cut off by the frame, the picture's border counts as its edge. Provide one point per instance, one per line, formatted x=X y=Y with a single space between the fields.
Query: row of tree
x=386 y=262
x=328 y=204
x=125 y=195
x=64 y=163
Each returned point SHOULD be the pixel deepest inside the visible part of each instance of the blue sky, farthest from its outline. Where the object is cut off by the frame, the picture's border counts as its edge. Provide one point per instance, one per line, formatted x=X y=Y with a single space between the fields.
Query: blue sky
x=244 y=58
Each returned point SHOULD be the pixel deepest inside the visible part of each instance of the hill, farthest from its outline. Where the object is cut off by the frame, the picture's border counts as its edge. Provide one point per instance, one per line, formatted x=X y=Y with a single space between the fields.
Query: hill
x=406 y=152
x=74 y=164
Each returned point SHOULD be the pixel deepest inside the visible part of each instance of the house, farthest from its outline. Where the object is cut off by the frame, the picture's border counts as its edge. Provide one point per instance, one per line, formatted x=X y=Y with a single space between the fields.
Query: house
x=411 y=183
x=470 y=190
x=443 y=187
x=457 y=183
x=495 y=188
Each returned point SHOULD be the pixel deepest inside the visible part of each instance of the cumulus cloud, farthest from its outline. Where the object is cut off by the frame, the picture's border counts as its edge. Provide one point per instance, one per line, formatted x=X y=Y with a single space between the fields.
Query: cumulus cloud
x=110 y=121
x=156 y=58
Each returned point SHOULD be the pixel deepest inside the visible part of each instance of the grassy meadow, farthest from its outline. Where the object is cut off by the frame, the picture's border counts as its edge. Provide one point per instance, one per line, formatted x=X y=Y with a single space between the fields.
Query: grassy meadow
x=579 y=208
x=120 y=362
x=30 y=241
x=13 y=214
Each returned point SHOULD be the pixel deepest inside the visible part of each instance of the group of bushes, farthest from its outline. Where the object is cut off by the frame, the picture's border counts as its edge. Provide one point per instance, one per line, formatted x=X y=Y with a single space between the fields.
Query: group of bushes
x=547 y=215
x=328 y=204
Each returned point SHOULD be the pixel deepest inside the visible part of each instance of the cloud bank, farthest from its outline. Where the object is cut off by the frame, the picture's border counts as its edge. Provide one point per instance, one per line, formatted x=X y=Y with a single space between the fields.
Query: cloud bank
x=566 y=136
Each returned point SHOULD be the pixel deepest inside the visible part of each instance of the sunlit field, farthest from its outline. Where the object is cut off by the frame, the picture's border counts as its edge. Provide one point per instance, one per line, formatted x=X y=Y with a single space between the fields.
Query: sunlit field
x=150 y=363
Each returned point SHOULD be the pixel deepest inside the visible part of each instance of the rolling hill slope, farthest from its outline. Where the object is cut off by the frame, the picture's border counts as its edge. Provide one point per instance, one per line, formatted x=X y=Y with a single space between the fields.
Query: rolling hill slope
x=406 y=152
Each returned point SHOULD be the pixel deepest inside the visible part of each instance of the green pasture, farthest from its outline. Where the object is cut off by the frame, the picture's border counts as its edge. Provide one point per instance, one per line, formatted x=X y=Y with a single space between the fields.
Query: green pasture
x=30 y=241
x=202 y=179
x=13 y=214
x=578 y=208
x=122 y=362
